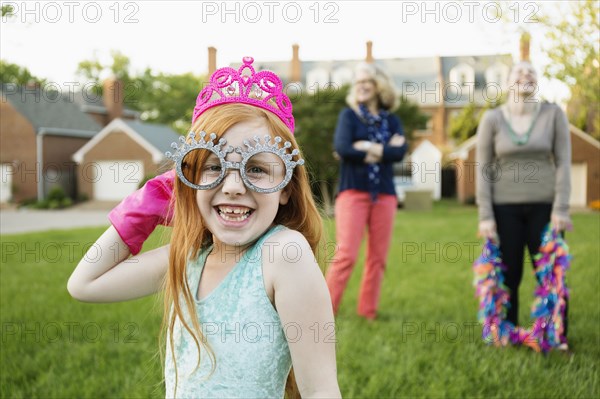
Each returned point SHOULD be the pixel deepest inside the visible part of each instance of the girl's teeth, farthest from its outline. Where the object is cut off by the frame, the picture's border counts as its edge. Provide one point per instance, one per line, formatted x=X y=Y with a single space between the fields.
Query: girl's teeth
x=234 y=214
x=234 y=211
x=234 y=219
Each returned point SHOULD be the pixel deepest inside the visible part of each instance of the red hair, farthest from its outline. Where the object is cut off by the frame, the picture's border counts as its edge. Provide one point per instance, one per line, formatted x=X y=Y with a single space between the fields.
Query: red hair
x=190 y=235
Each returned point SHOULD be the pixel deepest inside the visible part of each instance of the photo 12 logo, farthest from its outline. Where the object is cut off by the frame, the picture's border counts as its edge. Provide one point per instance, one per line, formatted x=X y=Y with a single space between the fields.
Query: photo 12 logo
x=469 y=11
x=270 y=11
x=70 y=11
x=68 y=331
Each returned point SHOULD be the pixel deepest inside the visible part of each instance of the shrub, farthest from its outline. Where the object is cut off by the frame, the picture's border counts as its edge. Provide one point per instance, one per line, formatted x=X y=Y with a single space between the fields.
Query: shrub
x=56 y=194
x=56 y=199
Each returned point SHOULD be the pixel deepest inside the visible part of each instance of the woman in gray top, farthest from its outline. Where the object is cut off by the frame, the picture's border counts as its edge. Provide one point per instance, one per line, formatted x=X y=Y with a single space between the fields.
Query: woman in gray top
x=523 y=179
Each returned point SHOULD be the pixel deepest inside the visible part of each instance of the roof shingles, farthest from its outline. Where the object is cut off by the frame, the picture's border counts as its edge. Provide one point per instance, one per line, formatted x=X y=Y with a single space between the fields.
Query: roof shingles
x=51 y=110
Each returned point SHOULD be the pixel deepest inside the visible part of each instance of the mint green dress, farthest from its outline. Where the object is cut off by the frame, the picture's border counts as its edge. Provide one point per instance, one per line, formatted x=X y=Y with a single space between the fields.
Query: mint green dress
x=242 y=328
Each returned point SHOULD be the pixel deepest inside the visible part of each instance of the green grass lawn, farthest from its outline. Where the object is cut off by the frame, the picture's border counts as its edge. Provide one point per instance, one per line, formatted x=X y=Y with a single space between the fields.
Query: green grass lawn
x=426 y=342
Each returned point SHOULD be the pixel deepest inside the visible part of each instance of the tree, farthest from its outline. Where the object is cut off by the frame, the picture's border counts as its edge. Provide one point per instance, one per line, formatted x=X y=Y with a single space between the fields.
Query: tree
x=575 y=59
x=7 y=11
x=13 y=73
x=316 y=118
x=464 y=125
x=92 y=70
x=167 y=98
x=411 y=116
x=160 y=97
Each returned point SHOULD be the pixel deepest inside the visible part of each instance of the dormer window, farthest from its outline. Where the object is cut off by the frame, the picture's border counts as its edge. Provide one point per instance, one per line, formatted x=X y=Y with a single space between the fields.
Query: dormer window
x=463 y=76
x=497 y=74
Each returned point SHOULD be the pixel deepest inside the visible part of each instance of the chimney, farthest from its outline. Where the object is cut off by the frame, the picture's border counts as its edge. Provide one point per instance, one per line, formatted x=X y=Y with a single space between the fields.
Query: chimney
x=212 y=60
x=112 y=97
x=524 y=46
x=370 y=58
x=296 y=72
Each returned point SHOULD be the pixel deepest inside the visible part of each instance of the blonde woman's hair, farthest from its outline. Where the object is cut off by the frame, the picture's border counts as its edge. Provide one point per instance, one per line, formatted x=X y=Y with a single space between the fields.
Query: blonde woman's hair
x=387 y=95
x=190 y=235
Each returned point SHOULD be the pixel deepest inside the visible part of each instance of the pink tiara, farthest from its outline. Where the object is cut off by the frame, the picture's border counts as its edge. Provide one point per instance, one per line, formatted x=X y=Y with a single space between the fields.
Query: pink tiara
x=262 y=89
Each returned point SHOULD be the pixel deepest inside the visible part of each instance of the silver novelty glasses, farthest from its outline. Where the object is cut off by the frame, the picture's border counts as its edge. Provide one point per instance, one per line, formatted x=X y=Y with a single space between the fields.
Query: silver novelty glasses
x=265 y=167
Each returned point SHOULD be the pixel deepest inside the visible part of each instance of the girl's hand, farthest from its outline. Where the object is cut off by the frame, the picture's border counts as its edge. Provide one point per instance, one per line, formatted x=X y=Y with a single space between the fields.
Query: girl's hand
x=561 y=223
x=487 y=229
x=136 y=217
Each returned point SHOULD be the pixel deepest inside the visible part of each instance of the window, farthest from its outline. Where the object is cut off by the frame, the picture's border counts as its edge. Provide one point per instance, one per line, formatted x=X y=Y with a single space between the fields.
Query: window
x=463 y=76
x=497 y=74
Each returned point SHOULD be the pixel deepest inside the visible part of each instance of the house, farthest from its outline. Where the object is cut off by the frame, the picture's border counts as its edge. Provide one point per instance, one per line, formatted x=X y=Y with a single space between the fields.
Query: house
x=41 y=130
x=426 y=169
x=585 y=169
x=113 y=163
x=104 y=109
x=441 y=86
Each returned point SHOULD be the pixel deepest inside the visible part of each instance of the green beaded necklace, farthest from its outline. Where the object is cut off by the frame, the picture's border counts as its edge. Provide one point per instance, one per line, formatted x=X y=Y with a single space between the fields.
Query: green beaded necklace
x=520 y=139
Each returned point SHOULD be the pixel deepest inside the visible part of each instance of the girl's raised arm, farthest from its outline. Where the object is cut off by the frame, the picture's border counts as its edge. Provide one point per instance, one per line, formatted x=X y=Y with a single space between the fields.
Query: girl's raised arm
x=106 y=274
x=304 y=306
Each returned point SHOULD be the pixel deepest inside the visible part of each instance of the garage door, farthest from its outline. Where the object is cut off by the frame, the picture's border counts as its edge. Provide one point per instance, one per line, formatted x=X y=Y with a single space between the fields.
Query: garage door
x=578 y=184
x=5 y=183
x=116 y=179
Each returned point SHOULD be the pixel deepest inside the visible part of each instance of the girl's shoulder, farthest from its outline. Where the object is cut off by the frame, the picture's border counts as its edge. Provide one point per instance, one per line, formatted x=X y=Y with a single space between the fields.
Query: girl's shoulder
x=286 y=254
x=285 y=245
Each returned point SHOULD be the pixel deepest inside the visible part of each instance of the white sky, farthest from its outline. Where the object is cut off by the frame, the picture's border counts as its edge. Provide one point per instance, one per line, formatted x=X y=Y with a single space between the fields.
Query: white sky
x=53 y=36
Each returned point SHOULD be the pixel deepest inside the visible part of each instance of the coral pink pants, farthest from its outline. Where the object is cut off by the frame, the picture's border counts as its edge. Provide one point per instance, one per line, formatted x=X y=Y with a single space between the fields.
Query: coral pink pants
x=354 y=210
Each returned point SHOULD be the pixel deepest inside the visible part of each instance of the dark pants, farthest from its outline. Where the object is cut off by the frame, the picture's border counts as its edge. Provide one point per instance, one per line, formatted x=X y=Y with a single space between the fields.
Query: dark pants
x=519 y=225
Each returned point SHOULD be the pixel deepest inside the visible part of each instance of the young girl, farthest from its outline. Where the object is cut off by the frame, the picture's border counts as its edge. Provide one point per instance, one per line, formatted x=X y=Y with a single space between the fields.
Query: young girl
x=244 y=296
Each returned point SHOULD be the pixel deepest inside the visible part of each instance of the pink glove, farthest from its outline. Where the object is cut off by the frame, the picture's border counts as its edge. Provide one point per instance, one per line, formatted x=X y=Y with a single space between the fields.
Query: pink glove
x=136 y=217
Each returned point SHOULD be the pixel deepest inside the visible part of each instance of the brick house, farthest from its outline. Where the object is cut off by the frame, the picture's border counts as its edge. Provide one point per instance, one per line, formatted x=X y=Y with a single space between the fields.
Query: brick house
x=40 y=131
x=441 y=86
x=112 y=164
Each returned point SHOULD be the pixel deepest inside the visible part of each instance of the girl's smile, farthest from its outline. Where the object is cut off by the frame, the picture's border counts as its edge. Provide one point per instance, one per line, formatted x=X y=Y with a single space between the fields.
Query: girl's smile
x=234 y=214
